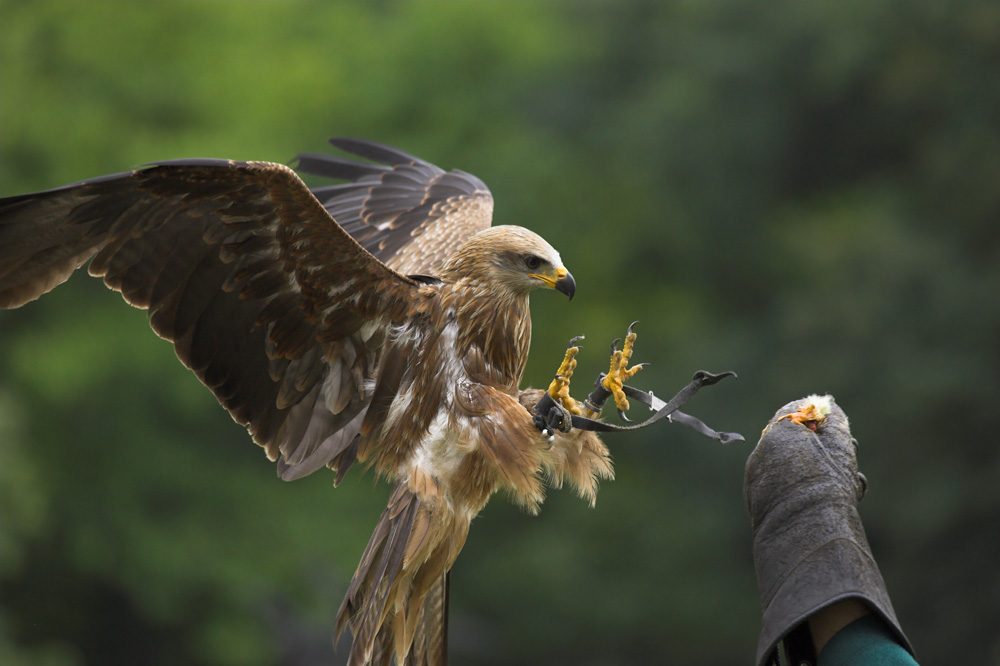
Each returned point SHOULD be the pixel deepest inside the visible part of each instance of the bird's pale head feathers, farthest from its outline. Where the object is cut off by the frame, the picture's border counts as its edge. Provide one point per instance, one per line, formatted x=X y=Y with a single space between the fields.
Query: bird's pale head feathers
x=517 y=259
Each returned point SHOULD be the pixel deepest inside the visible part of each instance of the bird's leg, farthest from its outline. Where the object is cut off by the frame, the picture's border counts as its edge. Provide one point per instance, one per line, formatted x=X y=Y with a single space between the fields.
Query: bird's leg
x=619 y=373
x=554 y=411
x=559 y=387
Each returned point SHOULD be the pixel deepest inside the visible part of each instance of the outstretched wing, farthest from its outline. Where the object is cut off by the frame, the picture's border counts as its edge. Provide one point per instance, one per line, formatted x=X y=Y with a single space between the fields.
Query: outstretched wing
x=407 y=212
x=259 y=289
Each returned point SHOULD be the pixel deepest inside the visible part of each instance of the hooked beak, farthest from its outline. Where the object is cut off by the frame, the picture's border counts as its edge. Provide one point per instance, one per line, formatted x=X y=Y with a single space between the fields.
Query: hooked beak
x=562 y=281
x=565 y=283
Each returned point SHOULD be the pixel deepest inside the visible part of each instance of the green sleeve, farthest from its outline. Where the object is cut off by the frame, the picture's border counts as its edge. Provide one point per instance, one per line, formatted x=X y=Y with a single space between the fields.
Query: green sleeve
x=867 y=640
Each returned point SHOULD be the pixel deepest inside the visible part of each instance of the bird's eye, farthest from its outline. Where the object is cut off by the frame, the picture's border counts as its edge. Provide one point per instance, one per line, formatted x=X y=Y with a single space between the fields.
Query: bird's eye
x=532 y=262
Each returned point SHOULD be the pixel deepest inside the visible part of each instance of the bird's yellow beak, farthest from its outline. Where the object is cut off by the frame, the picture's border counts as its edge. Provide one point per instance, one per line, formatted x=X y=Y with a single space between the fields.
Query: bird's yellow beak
x=560 y=280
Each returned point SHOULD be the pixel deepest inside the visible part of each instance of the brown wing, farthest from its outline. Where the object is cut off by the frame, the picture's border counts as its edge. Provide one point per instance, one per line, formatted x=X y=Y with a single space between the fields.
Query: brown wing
x=261 y=292
x=407 y=212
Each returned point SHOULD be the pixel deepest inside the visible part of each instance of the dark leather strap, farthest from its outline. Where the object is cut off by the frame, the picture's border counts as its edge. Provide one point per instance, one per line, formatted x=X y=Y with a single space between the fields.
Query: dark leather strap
x=663 y=410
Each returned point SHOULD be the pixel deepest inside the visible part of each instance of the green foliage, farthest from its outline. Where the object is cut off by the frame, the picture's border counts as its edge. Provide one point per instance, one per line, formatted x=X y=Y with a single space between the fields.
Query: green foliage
x=805 y=194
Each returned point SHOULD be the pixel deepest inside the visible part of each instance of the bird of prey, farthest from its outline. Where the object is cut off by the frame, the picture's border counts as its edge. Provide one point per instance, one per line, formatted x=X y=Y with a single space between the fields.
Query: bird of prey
x=382 y=320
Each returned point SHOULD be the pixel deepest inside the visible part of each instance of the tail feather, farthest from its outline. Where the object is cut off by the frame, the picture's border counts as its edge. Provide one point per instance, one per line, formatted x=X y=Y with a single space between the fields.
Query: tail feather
x=377 y=578
x=430 y=641
x=429 y=645
x=396 y=605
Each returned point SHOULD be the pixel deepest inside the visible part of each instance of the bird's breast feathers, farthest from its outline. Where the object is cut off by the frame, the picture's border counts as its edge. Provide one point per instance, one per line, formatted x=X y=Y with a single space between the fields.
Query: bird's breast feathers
x=457 y=418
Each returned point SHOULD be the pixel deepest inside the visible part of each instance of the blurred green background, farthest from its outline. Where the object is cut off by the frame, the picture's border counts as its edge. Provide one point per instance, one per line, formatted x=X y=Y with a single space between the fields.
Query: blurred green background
x=808 y=194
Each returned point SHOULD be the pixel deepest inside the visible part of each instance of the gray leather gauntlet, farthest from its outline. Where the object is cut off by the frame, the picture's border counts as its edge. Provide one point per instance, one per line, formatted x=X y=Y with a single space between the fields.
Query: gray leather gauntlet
x=802 y=487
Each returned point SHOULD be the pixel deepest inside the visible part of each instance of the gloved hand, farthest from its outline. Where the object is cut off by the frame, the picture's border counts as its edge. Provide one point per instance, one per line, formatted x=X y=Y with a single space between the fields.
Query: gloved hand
x=802 y=487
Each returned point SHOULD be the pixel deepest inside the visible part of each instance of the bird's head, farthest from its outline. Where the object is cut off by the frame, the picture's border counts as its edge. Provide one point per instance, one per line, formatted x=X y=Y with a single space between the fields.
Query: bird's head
x=517 y=259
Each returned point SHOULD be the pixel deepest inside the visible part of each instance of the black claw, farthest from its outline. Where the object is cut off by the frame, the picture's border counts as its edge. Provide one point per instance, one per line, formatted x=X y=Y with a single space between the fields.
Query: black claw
x=614 y=345
x=622 y=416
x=629 y=332
x=573 y=341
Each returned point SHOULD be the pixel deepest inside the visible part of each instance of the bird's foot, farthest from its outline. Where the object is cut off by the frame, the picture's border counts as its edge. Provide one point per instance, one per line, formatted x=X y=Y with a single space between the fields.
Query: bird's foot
x=619 y=373
x=559 y=387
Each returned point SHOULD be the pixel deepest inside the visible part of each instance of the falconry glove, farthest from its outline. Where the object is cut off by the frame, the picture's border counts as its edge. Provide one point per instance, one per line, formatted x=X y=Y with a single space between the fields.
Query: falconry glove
x=802 y=487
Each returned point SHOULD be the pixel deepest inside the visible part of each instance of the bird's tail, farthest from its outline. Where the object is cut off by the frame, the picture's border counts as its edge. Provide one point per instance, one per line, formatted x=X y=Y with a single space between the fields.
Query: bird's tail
x=430 y=642
x=396 y=604
x=430 y=639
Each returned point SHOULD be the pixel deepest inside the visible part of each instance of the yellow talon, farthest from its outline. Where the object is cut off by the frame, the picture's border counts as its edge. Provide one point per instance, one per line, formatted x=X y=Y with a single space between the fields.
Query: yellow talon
x=619 y=373
x=559 y=388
